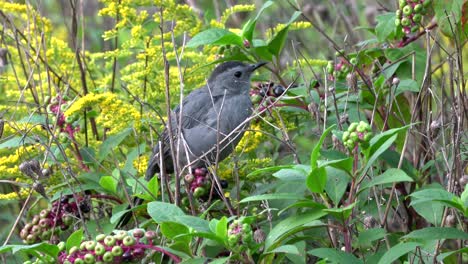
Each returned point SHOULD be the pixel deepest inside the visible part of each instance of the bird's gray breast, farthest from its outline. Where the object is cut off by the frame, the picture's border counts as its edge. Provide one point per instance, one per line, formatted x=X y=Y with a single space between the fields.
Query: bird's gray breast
x=219 y=129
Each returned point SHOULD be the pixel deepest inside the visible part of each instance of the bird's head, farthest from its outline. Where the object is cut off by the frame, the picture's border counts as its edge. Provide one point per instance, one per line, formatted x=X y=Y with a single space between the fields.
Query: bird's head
x=232 y=77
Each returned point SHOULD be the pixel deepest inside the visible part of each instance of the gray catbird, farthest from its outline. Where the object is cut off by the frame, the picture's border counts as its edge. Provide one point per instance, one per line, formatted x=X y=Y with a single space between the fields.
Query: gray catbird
x=213 y=119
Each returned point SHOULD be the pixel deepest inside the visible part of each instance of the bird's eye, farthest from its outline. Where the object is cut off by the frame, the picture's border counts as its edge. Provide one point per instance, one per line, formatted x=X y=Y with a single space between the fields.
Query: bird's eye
x=238 y=74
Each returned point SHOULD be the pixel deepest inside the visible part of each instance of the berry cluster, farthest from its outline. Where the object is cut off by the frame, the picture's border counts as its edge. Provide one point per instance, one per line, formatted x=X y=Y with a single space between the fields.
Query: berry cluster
x=240 y=235
x=122 y=247
x=264 y=90
x=50 y=222
x=357 y=133
x=67 y=126
x=341 y=69
x=198 y=184
x=410 y=14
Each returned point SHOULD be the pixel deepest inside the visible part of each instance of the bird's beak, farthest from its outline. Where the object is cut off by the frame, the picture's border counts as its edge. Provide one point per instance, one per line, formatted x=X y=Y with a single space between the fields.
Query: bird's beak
x=253 y=67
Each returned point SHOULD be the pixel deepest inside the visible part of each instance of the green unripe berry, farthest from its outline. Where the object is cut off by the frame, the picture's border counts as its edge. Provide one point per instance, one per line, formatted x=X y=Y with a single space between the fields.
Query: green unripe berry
x=397 y=22
x=117 y=251
x=427 y=3
x=27 y=262
x=128 y=241
x=407 y=10
x=189 y=178
x=199 y=192
x=352 y=127
x=83 y=245
x=401 y=3
x=415 y=29
x=100 y=237
x=54 y=100
x=350 y=143
x=353 y=61
x=330 y=68
x=398 y=13
x=73 y=250
x=367 y=137
x=90 y=245
x=63 y=137
x=108 y=257
x=120 y=235
x=405 y=22
x=417 y=18
x=79 y=261
x=353 y=136
x=109 y=241
x=31 y=238
x=232 y=240
x=61 y=246
x=67 y=219
x=99 y=250
x=89 y=258
x=418 y=8
x=69 y=119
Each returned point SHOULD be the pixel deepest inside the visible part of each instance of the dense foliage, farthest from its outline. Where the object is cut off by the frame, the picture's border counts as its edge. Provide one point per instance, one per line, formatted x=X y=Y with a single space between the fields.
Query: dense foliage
x=356 y=151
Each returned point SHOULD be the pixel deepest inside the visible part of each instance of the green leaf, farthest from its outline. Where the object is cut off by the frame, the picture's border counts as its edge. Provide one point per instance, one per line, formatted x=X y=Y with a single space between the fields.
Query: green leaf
x=268 y=170
x=397 y=251
x=334 y=255
x=448 y=13
x=288 y=249
x=74 y=239
x=385 y=26
x=366 y=237
x=173 y=229
x=444 y=255
x=272 y=196
x=436 y=233
x=221 y=228
x=163 y=212
x=407 y=86
x=337 y=182
x=389 y=176
x=198 y=224
x=293 y=174
x=291 y=225
x=43 y=248
x=275 y=45
x=249 y=27
x=382 y=148
x=14 y=142
x=109 y=184
x=111 y=143
x=316 y=151
x=317 y=180
x=341 y=164
x=341 y=213
x=464 y=197
x=215 y=36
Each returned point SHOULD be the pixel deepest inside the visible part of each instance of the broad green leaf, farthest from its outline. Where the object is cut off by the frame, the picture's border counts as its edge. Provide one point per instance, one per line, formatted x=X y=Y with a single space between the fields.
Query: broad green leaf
x=109 y=184
x=382 y=148
x=334 y=255
x=111 y=143
x=293 y=174
x=163 y=212
x=437 y=195
x=216 y=36
x=249 y=27
x=268 y=170
x=74 y=239
x=272 y=196
x=116 y=216
x=198 y=224
x=341 y=213
x=303 y=204
x=289 y=249
x=221 y=228
x=436 y=233
x=366 y=237
x=43 y=248
x=337 y=182
x=275 y=45
x=448 y=14
x=391 y=175
x=378 y=140
x=407 y=86
x=173 y=229
x=316 y=151
x=341 y=164
x=397 y=251
x=291 y=225
x=317 y=180
x=14 y=142
x=385 y=26
x=464 y=197
x=444 y=255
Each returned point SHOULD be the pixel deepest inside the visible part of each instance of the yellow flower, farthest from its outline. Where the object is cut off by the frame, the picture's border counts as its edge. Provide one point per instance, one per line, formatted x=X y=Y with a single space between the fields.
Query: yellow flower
x=14 y=195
